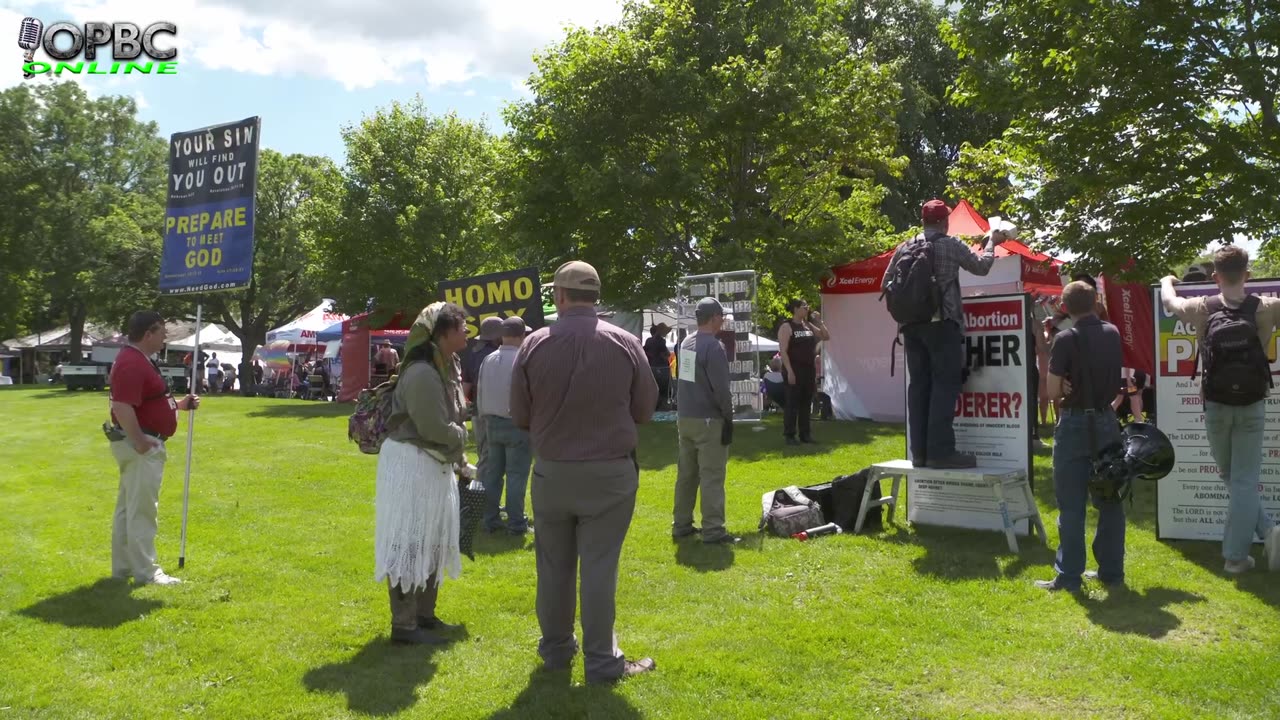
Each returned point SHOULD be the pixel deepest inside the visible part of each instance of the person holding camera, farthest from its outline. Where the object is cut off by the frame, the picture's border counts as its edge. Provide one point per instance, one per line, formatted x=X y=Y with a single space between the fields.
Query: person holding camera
x=1084 y=371
x=705 y=425
x=798 y=339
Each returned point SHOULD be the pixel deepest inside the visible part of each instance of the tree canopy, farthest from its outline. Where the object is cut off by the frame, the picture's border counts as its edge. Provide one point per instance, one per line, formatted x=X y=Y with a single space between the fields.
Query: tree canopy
x=1145 y=130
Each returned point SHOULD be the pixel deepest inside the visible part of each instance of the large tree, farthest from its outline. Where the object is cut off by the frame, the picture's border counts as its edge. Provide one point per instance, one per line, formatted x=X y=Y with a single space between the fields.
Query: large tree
x=294 y=193
x=704 y=135
x=907 y=35
x=419 y=205
x=1153 y=128
x=20 y=196
x=93 y=184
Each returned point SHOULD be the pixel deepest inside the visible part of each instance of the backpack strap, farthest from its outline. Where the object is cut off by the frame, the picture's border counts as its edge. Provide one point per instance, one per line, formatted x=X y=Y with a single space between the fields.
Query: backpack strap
x=1211 y=305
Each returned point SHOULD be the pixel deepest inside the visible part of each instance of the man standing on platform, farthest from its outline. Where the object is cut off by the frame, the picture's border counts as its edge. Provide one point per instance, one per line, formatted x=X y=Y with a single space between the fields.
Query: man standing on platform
x=705 y=425
x=580 y=387
x=143 y=415
x=934 y=345
x=1084 y=372
x=1235 y=388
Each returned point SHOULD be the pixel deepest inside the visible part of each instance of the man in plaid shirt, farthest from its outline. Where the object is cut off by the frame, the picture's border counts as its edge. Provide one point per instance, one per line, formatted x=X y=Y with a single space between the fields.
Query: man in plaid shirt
x=935 y=350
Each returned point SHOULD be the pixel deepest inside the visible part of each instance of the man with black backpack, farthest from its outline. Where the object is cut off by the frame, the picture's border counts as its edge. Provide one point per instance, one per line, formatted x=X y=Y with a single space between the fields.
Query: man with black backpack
x=922 y=289
x=1233 y=330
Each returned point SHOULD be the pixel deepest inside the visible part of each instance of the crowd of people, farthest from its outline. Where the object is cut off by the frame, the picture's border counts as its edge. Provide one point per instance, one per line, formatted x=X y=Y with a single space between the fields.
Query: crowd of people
x=561 y=406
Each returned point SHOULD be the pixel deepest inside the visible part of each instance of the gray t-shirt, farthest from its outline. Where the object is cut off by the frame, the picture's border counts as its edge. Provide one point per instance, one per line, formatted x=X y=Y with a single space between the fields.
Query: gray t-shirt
x=707 y=396
x=1102 y=354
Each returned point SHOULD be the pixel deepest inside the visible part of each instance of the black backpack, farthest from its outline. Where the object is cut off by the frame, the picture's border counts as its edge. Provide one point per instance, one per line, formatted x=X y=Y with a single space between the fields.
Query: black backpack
x=912 y=292
x=1236 y=369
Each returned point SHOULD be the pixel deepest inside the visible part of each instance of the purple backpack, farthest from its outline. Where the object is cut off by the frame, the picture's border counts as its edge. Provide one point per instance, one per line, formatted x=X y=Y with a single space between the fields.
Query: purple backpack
x=367 y=426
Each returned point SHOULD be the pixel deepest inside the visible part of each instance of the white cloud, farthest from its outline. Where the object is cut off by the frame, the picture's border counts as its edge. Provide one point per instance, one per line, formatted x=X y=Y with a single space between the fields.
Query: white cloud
x=357 y=44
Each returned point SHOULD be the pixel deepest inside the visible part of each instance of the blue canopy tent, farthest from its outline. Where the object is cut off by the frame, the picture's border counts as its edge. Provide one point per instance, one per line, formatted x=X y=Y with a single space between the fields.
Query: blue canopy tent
x=334 y=332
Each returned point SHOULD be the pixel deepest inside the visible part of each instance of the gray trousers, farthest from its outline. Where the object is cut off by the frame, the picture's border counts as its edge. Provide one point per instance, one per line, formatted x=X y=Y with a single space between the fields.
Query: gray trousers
x=701 y=467
x=408 y=608
x=581 y=513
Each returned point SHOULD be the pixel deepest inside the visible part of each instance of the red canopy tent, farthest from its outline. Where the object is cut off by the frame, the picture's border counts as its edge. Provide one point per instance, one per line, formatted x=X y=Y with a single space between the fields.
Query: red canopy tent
x=1040 y=273
x=964 y=221
x=858 y=357
x=357 y=335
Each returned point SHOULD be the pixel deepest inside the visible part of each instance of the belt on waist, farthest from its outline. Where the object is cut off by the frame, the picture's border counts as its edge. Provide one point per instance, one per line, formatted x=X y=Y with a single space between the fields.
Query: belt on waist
x=145 y=431
x=1086 y=411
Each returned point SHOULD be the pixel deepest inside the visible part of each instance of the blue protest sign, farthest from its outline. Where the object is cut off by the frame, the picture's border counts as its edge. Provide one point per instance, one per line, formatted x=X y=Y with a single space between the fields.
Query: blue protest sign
x=208 y=224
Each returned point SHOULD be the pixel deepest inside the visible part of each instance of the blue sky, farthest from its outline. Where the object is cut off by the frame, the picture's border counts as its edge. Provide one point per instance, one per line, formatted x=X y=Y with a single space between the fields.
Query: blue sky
x=309 y=67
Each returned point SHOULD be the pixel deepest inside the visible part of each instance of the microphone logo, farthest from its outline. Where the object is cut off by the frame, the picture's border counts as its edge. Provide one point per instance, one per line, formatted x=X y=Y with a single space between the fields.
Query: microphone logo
x=29 y=35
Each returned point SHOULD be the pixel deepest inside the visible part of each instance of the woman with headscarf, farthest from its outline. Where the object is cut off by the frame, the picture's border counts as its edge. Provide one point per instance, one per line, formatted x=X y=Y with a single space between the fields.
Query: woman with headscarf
x=416 y=538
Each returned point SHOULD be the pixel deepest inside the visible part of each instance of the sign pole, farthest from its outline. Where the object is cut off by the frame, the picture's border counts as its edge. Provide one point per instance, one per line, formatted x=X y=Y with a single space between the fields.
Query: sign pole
x=191 y=431
x=200 y=202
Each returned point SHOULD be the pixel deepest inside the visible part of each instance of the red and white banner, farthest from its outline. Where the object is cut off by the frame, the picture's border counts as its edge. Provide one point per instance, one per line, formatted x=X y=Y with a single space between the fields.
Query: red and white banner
x=863 y=276
x=1129 y=309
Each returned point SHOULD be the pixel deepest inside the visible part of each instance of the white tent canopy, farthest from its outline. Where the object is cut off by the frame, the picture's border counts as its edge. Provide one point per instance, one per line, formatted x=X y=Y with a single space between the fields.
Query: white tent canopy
x=762 y=344
x=212 y=337
x=858 y=358
x=302 y=330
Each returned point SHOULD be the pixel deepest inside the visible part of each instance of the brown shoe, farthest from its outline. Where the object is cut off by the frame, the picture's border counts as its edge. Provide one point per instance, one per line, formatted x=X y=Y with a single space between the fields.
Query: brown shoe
x=630 y=668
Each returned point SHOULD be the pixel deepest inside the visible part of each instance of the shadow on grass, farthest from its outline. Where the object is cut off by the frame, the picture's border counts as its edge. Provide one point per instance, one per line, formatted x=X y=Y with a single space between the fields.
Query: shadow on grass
x=1208 y=555
x=106 y=603
x=304 y=410
x=552 y=695
x=1126 y=611
x=659 y=443
x=502 y=542
x=693 y=553
x=959 y=555
x=382 y=679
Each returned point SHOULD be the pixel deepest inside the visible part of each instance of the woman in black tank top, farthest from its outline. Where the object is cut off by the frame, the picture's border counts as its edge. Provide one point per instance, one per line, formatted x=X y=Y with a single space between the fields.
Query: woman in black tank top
x=799 y=337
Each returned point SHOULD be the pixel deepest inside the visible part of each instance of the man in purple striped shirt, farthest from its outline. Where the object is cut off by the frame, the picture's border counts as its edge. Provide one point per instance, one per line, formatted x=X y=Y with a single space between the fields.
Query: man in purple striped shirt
x=580 y=387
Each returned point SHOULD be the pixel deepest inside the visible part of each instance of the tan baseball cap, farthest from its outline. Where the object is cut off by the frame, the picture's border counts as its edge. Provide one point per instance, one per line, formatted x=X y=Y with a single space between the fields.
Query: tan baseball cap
x=577 y=275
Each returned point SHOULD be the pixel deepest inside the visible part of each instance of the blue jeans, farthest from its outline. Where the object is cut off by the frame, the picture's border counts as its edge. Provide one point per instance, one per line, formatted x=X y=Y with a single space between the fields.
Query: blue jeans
x=507 y=454
x=935 y=360
x=1072 y=465
x=1235 y=439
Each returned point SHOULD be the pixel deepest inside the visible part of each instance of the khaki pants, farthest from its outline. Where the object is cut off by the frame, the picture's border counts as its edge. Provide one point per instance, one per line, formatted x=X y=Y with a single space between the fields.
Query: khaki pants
x=581 y=513
x=133 y=531
x=701 y=468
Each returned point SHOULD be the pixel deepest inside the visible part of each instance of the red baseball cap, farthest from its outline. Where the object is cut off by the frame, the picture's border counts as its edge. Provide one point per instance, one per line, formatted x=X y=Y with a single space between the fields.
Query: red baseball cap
x=934 y=210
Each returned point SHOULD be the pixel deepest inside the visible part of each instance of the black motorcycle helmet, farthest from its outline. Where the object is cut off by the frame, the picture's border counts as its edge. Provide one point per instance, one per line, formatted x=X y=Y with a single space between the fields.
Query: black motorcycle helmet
x=1147 y=452
x=1143 y=453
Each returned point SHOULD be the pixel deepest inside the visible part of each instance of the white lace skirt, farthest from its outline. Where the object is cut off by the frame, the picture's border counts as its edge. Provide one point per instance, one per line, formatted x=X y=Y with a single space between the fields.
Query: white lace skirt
x=417 y=517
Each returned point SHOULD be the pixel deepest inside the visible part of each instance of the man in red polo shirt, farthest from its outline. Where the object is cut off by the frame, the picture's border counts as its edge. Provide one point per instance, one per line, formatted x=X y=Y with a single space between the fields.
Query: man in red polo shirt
x=143 y=415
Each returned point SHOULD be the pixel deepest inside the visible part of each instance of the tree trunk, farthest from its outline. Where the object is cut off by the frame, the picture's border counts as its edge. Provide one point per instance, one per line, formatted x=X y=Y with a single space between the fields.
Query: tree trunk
x=75 y=340
x=250 y=337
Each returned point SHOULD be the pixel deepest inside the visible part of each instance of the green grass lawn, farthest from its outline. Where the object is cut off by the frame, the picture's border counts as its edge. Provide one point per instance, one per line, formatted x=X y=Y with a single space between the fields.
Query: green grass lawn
x=279 y=615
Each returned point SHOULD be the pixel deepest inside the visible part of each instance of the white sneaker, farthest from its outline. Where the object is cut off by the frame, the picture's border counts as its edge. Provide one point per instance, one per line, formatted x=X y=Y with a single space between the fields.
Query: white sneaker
x=1236 y=567
x=1272 y=549
x=161 y=579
